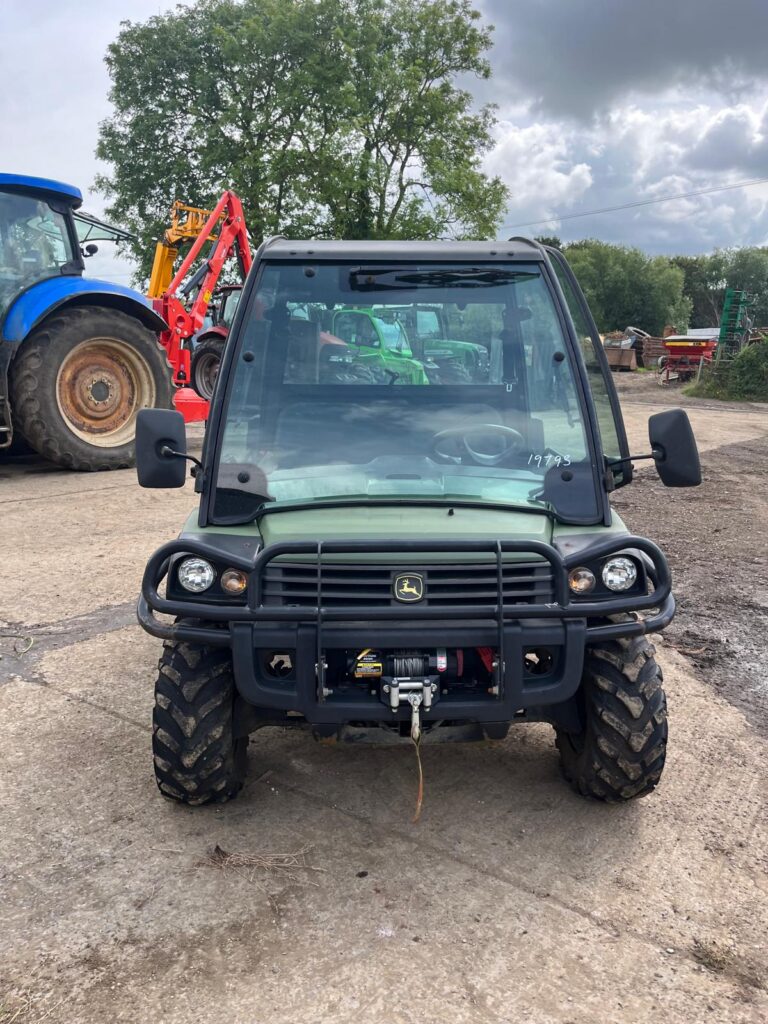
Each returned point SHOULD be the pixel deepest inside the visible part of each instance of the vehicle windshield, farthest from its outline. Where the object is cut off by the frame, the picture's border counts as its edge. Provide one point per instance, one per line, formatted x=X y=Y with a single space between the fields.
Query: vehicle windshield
x=230 y=301
x=34 y=244
x=327 y=399
x=393 y=336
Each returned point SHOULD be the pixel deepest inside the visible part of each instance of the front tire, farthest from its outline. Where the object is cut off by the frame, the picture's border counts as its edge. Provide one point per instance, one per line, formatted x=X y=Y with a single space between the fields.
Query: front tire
x=198 y=759
x=620 y=753
x=78 y=383
x=206 y=362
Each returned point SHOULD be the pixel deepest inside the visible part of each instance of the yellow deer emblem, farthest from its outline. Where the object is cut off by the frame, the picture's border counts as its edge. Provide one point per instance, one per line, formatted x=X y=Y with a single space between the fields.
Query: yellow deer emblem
x=409 y=587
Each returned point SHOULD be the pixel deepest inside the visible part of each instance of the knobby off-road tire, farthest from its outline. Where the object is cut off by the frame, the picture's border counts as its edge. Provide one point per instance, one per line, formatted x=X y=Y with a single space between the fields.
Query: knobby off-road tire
x=78 y=383
x=206 y=361
x=620 y=754
x=197 y=758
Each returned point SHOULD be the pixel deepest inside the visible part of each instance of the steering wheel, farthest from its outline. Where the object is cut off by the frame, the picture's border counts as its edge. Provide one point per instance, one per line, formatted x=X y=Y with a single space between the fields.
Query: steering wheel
x=458 y=439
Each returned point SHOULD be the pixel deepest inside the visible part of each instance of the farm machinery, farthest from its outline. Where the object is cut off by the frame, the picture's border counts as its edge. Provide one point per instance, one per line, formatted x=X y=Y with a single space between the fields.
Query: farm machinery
x=78 y=357
x=383 y=551
x=684 y=357
x=194 y=348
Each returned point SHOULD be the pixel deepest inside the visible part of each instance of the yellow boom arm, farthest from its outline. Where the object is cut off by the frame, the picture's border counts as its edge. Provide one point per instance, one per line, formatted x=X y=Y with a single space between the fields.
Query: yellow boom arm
x=186 y=222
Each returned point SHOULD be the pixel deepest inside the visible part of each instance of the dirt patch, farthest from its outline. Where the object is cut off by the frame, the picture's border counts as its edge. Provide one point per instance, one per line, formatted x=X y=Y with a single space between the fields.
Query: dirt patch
x=645 y=388
x=716 y=539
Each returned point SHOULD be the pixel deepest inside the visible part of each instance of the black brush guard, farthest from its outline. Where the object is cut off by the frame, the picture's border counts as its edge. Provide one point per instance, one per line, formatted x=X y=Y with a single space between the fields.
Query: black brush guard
x=567 y=625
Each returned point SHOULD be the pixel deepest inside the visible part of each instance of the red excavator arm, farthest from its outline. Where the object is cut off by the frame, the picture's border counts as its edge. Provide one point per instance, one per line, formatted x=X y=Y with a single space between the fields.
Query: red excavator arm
x=225 y=227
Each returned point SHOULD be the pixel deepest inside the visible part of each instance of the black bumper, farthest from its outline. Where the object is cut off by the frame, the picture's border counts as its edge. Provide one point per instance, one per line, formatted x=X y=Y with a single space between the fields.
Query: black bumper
x=565 y=626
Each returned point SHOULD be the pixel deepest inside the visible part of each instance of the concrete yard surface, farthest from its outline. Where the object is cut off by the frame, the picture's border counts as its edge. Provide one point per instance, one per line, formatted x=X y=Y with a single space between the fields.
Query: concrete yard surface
x=512 y=900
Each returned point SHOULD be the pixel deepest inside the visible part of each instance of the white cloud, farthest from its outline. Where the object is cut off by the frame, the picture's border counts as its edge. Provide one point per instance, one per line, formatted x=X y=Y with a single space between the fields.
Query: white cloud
x=596 y=111
x=557 y=169
x=535 y=164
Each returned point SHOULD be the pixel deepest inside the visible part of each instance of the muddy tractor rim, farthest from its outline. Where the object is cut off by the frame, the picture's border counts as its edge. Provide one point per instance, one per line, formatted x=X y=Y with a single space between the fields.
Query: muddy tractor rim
x=100 y=387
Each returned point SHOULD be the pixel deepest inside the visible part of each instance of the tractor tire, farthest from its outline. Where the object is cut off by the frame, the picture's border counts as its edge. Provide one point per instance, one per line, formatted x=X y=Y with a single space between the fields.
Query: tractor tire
x=78 y=383
x=197 y=758
x=206 y=360
x=454 y=373
x=620 y=753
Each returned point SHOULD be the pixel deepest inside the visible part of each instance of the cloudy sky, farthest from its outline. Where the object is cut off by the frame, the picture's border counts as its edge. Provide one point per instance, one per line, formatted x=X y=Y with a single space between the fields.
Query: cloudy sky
x=600 y=103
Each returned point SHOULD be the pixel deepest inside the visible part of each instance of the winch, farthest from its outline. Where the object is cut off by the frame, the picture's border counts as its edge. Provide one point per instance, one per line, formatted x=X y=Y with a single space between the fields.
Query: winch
x=419 y=693
x=373 y=664
x=407 y=677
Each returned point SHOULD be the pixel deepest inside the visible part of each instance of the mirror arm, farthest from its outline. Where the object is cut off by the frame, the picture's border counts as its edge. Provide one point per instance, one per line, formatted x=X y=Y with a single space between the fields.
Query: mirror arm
x=168 y=453
x=656 y=454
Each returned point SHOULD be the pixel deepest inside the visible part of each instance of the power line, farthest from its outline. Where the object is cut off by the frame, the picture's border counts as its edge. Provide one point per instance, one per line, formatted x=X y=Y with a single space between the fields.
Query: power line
x=640 y=202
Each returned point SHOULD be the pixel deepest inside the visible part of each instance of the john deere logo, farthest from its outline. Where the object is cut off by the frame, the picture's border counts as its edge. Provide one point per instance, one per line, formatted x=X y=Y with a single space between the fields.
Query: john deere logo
x=409 y=587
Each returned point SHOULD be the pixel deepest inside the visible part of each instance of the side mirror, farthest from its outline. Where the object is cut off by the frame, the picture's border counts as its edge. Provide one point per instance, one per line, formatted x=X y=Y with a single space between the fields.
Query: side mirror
x=160 y=432
x=674 y=449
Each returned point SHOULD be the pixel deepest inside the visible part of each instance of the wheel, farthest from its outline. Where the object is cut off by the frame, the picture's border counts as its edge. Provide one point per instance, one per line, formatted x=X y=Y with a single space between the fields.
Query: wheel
x=197 y=758
x=206 y=360
x=453 y=373
x=620 y=752
x=78 y=383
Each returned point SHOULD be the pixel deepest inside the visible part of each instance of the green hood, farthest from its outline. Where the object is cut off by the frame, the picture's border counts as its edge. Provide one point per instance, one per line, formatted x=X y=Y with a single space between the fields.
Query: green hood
x=361 y=522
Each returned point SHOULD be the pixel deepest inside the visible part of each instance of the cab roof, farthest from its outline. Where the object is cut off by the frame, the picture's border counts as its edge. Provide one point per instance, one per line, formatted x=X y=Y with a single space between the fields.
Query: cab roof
x=515 y=249
x=44 y=187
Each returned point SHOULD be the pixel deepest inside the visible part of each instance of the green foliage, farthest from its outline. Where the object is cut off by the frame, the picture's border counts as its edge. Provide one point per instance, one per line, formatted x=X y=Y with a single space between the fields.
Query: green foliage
x=330 y=118
x=707 y=278
x=624 y=287
x=744 y=378
x=551 y=240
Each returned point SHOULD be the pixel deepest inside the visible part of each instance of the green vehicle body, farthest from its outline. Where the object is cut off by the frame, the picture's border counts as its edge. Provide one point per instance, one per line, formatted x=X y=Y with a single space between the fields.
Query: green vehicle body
x=428 y=329
x=382 y=548
x=378 y=344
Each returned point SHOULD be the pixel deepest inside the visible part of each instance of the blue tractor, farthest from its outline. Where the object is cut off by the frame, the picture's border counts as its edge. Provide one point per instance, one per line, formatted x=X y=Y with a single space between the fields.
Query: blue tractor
x=78 y=357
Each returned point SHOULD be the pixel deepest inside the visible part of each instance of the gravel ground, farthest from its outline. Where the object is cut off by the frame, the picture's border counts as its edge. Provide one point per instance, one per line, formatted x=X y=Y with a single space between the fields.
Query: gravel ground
x=512 y=901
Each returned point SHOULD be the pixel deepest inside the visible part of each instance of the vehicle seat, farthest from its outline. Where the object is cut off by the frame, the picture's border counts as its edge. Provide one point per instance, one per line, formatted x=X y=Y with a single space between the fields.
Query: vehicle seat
x=302 y=359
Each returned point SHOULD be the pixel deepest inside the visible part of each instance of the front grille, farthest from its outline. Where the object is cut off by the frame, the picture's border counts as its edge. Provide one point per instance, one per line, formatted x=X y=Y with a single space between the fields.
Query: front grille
x=294 y=584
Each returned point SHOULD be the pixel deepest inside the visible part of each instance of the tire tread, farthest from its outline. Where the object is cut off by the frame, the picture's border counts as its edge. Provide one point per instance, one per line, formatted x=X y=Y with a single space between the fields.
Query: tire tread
x=624 y=744
x=197 y=759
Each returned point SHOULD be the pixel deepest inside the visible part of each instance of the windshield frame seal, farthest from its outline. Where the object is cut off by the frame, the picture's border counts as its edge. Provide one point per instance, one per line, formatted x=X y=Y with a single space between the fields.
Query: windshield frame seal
x=602 y=359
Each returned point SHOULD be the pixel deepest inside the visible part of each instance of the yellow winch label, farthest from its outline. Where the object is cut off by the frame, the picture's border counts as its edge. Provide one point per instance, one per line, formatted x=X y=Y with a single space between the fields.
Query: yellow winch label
x=368 y=663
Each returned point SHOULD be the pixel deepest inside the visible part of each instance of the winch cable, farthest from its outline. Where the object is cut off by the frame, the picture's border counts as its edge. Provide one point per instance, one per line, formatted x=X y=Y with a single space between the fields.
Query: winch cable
x=420 y=792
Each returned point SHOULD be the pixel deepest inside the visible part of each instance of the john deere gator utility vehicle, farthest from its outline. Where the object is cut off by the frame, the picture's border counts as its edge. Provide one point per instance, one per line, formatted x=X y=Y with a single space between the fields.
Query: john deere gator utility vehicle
x=403 y=554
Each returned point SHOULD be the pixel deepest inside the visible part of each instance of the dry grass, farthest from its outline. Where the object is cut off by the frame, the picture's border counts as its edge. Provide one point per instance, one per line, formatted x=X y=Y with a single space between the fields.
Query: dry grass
x=290 y=867
x=713 y=955
x=23 y=1011
x=723 y=959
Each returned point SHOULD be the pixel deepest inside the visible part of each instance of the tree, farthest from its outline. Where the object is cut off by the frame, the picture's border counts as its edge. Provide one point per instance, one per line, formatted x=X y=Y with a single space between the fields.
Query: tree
x=708 y=277
x=624 y=287
x=551 y=240
x=704 y=285
x=329 y=118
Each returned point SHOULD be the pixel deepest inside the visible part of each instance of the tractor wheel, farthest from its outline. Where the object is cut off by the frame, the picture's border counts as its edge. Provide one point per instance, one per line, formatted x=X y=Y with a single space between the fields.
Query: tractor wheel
x=197 y=758
x=619 y=754
x=206 y=360
x=454 y=373
x=78 y=383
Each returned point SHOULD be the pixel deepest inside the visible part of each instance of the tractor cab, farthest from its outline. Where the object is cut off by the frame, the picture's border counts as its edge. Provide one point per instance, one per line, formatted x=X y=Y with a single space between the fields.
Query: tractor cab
x=38 y=238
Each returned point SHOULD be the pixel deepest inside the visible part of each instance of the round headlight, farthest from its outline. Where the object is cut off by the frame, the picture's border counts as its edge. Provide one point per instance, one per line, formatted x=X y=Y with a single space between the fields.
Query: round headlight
x=233 y=581
x=195 y=574
x=581 y=580
x=619 y=573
